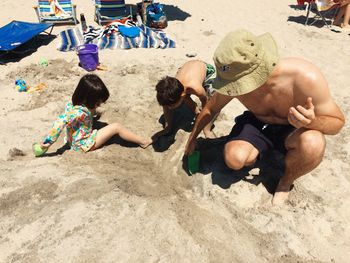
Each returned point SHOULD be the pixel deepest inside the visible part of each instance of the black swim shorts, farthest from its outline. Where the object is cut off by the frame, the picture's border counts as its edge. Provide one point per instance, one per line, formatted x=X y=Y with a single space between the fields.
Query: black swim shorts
x=262 y=136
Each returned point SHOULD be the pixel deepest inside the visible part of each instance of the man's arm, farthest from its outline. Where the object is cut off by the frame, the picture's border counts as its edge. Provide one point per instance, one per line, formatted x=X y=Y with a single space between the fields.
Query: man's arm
x=308 y=117
x=214 y=106
x=315 y=109
x=199 y=91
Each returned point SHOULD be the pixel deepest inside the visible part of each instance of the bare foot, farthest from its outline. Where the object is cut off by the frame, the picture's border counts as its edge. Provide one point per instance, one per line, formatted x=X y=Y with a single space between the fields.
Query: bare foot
x=281 y=195
x=279 y=198
x=345 y=26
x=146 y=143
x=336 y=23
x=209 y=134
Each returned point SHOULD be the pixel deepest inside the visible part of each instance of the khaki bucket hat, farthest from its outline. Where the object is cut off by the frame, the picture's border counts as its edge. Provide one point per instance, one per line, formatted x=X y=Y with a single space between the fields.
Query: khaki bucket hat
x=244 y=62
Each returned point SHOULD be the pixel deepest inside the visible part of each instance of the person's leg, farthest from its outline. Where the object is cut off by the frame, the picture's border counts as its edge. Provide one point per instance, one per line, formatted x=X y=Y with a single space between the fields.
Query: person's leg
x=305 y=150
x=245 y=142
x=239 y=153
x=346 y=19
x=338 y=18
x=107 y=132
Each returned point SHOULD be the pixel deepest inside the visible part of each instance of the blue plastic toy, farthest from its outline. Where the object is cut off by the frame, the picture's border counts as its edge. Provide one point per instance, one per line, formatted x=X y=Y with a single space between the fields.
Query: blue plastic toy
x=21 y=85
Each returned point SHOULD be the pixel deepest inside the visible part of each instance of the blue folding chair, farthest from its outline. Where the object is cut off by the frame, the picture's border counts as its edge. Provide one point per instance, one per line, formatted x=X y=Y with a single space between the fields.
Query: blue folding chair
x=17 y=33
x=56 y=11
x=108 y=10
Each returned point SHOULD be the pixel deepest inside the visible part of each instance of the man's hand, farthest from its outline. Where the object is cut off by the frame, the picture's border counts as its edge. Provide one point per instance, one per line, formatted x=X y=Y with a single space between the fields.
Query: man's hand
x=190 y=147
x=300 y=116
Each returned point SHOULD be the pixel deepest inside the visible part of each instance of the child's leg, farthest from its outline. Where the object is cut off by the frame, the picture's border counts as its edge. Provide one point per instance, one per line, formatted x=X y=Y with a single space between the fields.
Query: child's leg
x=104 y=134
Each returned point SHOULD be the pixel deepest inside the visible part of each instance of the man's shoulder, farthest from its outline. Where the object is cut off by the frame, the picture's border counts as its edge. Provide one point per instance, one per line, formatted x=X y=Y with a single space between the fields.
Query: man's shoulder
x=299 y=68
x=295 y=62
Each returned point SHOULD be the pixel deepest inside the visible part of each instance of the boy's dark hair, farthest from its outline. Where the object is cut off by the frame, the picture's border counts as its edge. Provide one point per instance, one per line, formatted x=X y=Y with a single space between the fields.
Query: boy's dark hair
x=169 y=91
x=90 y=91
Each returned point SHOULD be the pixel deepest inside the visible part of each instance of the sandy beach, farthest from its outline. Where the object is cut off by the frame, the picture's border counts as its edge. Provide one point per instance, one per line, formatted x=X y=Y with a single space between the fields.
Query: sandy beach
x=122 y=203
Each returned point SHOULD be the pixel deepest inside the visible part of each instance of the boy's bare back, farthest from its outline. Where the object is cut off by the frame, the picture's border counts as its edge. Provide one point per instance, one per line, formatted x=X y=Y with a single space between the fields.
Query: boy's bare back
x=192 y=75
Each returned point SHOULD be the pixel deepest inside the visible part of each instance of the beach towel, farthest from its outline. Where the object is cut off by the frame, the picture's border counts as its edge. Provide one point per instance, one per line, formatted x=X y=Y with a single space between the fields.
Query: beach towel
x=70 y=39
x=56 y=8
x=110 y=37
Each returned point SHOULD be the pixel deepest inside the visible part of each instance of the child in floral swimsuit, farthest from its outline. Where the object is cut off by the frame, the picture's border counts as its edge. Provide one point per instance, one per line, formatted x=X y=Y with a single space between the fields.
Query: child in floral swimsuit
x=78 y=118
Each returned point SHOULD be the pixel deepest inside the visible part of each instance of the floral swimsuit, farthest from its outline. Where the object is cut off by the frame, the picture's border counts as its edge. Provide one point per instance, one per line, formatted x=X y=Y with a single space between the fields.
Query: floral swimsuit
x=78 y=122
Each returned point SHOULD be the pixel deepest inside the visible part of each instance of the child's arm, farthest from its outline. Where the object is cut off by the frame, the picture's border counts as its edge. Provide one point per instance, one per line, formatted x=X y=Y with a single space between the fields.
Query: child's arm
x=168 y=116
x=55 y=131
x=191 y=104
x=203 y=98
x=198 y=91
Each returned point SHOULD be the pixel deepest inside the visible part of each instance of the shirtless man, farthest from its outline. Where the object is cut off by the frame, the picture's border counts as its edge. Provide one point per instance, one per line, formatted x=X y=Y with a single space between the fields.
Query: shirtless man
x=191 y=79
x=290 y=107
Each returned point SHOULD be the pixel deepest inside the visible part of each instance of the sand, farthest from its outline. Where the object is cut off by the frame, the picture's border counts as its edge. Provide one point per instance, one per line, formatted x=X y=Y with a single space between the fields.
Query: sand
x=125 y=204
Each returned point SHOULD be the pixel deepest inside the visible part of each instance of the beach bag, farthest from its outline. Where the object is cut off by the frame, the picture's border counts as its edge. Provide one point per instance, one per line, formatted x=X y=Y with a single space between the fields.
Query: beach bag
x=156 y=17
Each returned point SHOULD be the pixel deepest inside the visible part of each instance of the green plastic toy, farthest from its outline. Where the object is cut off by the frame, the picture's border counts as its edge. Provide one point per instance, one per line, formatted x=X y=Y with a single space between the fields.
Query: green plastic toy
x=38 y=151
x=43 y=62
x=193 y=162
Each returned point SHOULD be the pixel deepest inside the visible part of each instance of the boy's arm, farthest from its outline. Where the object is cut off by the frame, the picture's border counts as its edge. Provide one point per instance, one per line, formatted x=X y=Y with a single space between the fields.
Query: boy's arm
x=168 y=116
x=203 y=98
x=191 y=104
x=199 y=91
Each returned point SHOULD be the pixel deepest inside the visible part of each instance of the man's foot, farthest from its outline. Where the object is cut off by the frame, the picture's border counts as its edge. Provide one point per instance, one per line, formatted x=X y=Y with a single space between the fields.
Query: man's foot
x=209 y=134
x=146 y=143
x=281 y=194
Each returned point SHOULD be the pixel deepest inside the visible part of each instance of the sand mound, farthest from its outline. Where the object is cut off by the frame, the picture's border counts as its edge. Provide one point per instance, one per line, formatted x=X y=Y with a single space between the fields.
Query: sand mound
x=123 y=202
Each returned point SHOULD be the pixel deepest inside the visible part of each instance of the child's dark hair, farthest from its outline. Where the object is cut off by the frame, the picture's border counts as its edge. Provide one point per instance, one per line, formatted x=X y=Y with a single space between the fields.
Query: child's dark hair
x=169 y=91
x=90 y=91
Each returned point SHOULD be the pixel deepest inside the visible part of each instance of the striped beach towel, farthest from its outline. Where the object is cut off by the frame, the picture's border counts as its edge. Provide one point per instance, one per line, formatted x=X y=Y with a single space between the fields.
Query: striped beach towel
x=110 y=37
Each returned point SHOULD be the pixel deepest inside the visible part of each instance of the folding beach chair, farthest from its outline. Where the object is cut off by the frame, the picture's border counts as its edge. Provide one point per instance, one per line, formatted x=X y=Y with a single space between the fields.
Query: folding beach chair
x=56 y=12
x=108 y=10
x=17 y=33
x=322 y=9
